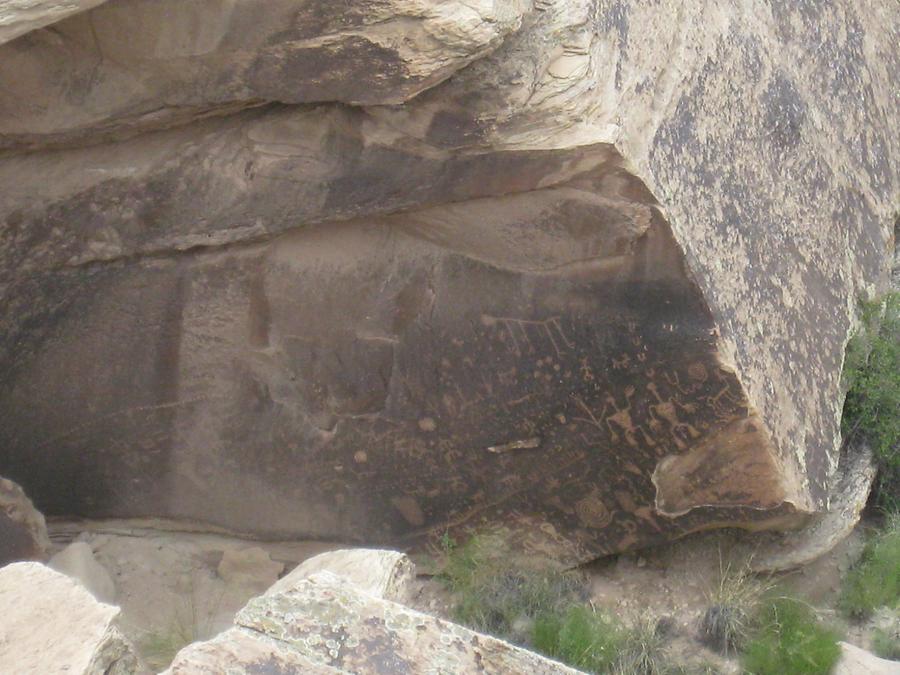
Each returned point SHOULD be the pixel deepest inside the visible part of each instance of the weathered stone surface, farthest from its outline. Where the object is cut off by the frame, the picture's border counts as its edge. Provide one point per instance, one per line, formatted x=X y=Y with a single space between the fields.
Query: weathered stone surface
x=748 y=125
x=790 y=550
x=18 y=17
x=241 y=651
x=592 y=290
x=856 y=661
x=363 y=343
x=23 y=532
x=77 y=562
x=382 y=574
x=327 y=621
x=51 y=624
x=133 y=64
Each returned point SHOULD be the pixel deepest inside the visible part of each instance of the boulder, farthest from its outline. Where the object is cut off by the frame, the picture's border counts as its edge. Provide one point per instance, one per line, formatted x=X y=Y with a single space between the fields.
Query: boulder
x=591 y=292
x=326 y=621
x=51 y=624
x=249 y=567
x=382 y=574
x=18 y=17
x=77 y=561
x=856 y=661
x=23 y=532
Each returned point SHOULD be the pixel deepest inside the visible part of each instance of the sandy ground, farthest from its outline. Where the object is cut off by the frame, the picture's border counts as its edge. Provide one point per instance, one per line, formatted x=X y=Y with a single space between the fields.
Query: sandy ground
x=170 y=590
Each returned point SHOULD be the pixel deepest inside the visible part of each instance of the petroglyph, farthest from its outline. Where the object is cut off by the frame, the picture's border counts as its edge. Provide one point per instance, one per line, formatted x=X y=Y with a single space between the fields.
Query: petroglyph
x=523 y=444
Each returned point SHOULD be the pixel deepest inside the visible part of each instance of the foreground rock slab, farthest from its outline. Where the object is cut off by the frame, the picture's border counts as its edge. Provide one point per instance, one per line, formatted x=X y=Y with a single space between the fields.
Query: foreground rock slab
x=241 y=651
x=328 y=622
x=23 y=532
x=51 y=624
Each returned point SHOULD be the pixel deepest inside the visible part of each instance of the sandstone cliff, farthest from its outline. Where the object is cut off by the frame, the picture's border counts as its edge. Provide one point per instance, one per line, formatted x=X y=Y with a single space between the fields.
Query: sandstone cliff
x=369 y=271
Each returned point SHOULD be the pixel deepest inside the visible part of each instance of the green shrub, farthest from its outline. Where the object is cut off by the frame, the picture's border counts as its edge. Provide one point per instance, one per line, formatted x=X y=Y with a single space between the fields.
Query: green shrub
x=886 y=636
x=495 y=595
x=791 y=641
x=872 y=407
x=886 y=644
x=580 y=637
x=545 y=610
x=875 y=581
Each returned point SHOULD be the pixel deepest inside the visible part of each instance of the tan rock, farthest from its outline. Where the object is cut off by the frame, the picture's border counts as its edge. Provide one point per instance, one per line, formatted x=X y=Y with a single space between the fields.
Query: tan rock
x=51 y=624
x=383 y=574
x=23 y=532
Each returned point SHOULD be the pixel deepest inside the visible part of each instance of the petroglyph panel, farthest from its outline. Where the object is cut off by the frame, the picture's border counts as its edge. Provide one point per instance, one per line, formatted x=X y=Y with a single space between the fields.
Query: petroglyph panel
x=538 y=363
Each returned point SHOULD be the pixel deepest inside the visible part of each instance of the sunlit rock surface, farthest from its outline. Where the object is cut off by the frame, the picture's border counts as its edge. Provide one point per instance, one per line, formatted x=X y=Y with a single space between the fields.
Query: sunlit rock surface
x=593 y=290
x=39 y=638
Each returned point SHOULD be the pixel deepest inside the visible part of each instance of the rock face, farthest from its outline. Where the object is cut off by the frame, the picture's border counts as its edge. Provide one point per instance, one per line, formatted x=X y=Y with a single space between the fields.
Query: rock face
x=37 y=638
x=325 y=624
x=23 y=532
x=18 y=17
x=140 y=62
x=593 y=290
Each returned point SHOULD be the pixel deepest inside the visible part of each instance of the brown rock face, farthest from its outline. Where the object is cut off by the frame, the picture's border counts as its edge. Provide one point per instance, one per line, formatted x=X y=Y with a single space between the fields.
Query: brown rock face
x=587 y=305
x=534 y=362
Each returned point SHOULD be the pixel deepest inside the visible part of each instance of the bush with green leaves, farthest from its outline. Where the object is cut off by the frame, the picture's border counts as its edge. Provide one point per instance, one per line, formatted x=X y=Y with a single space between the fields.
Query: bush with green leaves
x=875 y=580
x=790 y=640
x=886 y=645
x=496 y=595
x=872 y=407
x=580 y=637
x=546 y=610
